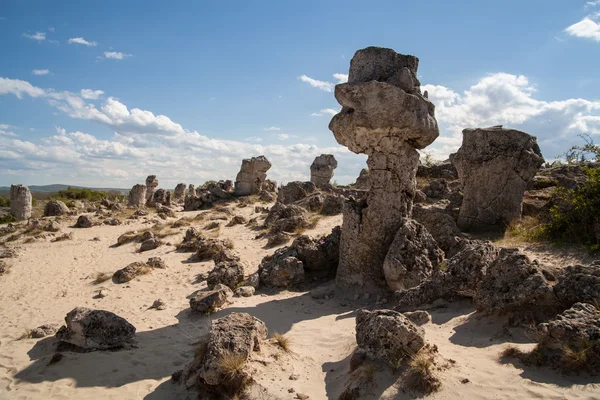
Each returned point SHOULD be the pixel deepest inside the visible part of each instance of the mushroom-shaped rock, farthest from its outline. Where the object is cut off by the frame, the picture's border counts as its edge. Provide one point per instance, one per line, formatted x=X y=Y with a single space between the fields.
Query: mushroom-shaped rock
x=20 y=202
x=321 y=170
x=494 y=166
x=384 y=116
x=95 y=329
x=55 y=208
x=251 y=176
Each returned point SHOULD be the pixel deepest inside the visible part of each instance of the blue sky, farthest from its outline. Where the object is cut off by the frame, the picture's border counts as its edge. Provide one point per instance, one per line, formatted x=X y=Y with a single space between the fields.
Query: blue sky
x=105 y=93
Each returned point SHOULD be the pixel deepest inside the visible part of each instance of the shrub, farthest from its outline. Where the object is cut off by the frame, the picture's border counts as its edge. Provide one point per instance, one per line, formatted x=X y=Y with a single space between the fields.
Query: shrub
x=7 y=218
x=4 y=202
x=81 y=194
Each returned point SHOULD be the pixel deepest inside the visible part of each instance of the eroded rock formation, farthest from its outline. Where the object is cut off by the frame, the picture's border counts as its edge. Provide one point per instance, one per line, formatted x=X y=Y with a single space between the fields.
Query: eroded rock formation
x=20 y=202
x=137 y=196
x=55 y=208
x=251 y=176
x=151 y=185
x=494 y=166
x=385 y=116
x=179 y=192
x=321 y=170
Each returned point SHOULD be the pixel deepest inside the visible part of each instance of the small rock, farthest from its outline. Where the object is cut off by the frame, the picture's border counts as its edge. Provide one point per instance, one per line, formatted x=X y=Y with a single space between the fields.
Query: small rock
x=302 y=396
x=158 y=305
x=294 y=377
x=245 y=291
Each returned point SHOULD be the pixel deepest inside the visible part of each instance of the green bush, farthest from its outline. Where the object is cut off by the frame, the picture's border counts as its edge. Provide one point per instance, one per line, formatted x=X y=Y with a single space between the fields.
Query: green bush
x=4 y=202
x=80 y=194
x=7 y=218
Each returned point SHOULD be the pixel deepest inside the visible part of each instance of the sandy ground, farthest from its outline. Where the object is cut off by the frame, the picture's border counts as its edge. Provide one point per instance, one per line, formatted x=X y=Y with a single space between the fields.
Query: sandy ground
x=50 y=279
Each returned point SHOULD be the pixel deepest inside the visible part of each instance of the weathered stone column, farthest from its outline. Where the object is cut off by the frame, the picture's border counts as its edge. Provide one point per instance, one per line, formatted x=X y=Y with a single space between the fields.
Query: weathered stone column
x=137 y=196
x=20 y=202
x=251 y=176
x=179 y=192
x=385 y=116
x=494 y=166
x=191 y=190
x=321 y=170
x=151 y=185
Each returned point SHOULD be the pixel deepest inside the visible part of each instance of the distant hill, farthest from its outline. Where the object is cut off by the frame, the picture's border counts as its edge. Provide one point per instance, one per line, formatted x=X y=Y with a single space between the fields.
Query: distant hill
x=56 y=187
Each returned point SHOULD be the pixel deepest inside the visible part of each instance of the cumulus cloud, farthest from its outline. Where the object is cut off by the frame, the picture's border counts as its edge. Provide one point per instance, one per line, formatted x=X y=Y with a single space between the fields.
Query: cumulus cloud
x=341 y=78
x=19 y=88
x=39 y=36
x=40 y=72
x=116 y=55
x=325 y=111
x=90 y=94
x=587 y=28
x=506 y=99
x=80 y=40
x=326 y=86
x=282 y=136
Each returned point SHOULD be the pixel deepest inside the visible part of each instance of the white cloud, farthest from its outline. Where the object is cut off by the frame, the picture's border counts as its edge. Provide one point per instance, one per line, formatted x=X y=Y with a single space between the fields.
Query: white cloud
x=40 y=72
x=326 y=86
x=587 y=28
x=506 y=99
x=272 y=128
x=90 y=94
x=19 y=87
x=116 y=55
x=591 y=4
x=341 y=78
x=80 y=40
x=325 y=111
x=39 y=36
x=282 y=136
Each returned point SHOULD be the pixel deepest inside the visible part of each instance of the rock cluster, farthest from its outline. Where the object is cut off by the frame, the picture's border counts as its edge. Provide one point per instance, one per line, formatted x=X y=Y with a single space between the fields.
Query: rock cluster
x=20 y=202
x=321 y=170
x=385 y=116
x=206 y=195
x=495 y=166
x=253 y=173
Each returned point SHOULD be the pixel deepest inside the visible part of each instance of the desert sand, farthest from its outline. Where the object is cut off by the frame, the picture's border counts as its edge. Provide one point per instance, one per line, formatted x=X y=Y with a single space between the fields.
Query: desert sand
x=49 y=279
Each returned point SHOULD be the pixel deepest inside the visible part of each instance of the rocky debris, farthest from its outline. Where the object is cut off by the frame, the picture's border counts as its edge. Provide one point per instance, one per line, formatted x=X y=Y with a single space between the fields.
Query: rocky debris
x=244 y=291
x=161 y=197
x=140 y=213
x=208 y=194
x=179 y=192
x=514 y=283
x=156 y=262
x=127 y=238
x=278 y=238
x=4 y=267
x=385 y=116
x=494 y=166
x=44 y=330
x=151 y=185
x=332 y=205
x=20 y=202
x=441 y=170
x=131 y=271
x=280 y=270
x=95 y=329
x=8 y=253
x=207 y=248
x=137 y=196
x=55 y=208
x=285 y=218
x=64 y=236
x=362 y=182
x=579 y=283
x=387 y=335
x=208 y=301
x=158 y=305
x=84 y=221
x=236 y=220
x=441 y=226
x=112 y=221
x=312 y=203
x=576 y=330
x=437 y=189
x=321 y=170
x=412 y=256
x=295 y=191
x=149 y=242
x=253 y=173
x=228 y=273
x=238 y=335
x=419 y=317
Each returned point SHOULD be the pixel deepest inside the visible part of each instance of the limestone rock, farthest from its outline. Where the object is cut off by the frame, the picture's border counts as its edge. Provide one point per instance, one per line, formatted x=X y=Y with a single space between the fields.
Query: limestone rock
x=131 y=271
x=95 y=329
x=55 y=208
x=321 y=170
x=161 y=197
x=150 y=244
x=20 y=202
x=253 y=173
x=419 y=317
x=494 y=166
x=579 y=284
x=209 y=301
x=281 y=270
x=437 y=189
x=137 y=196
x=84 y=221
x=441 y=226
x=319 y=256
x=295 y=191
x=151 y=185
x=156 y=262
x=412 y=257
x=362 y=182
x=332 y=204
x=387 y=335
x=228 y=273
x=179 y=192
x=245 y=291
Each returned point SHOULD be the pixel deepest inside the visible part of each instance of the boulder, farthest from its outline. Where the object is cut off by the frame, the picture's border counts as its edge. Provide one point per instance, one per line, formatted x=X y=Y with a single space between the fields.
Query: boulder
x=295 y=191
x=161 y=197
x=332 y=204
x=495 y=166
x=150 y=244
x=208 y=301
x=321 y=170
x=179 y=192
x=441 y=226
x=228 y=273
x=253 y=173
x=95 y=329
x=55 y=208
x=137 y=196
x=578 y=283
x=20 y=202
x=244 y=291
x=281 y=270
x=84 y=221
x=131 y=271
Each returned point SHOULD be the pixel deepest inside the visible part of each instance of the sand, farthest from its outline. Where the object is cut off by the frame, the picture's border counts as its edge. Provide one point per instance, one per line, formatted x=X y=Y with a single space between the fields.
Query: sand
x=50 y=279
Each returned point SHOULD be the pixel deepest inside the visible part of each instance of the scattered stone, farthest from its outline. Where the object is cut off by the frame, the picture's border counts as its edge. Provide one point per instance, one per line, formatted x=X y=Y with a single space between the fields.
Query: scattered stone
x=55 y=208
x=44 y=330
x=156 y=262
x=253 y=173
x=64 y=236
x=112 y=221
x=20 y=202
x=131 y=271
x=95 y=329
x=159 y=304
x=244 y=291
x=321 y=170
x=302 y=396
x=494 y=166
x=207 y=302
x=419 y=317
x=52 y=226
x=280 y=270
x=150 y=244
x=8 y=253
x=294 y=377
x=84 y=221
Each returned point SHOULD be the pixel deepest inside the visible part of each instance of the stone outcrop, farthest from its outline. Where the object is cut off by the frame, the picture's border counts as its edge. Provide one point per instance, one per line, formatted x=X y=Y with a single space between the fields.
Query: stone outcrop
x=95 y=329
x=191 y=190
x=495 y=166
x=295 y=191
x=579 y=283
x=137 y=196
x=84 y=221
x=179 y=192
x=206 y=195
x=321 y=170
x=441 y=226
x=251 y=176
x=387 y=335
x=161 y=197
x=362 y=182
x=281 y=270
x=151 y=185
x=228 y=273
x=413 y=256
x=209 y=301
x=385 y=116
x=20 y=202
x=55 y=208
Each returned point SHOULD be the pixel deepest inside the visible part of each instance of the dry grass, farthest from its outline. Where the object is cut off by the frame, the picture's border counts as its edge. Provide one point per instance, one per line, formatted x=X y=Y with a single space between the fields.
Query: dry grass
x=282 y=341
x=101 y=277
x=420 y=375
x=182 y=222
x=528 y=229
x=212 y=225
x=313 y=221
x=231 y=364
x=27 y=334
x=228 y=243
